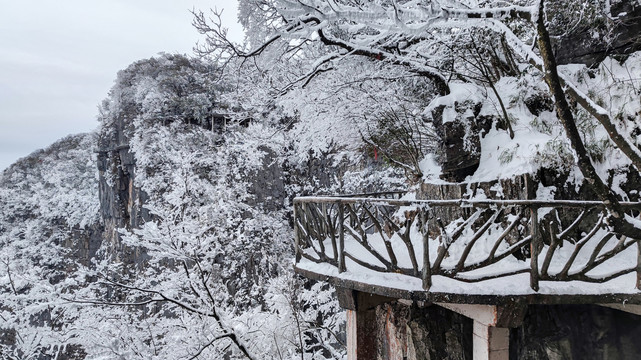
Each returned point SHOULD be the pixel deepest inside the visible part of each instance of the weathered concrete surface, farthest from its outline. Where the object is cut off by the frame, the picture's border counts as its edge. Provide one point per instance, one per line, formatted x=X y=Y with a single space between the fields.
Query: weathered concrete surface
x=490 y=343
x=457 y=298
x=351 y=335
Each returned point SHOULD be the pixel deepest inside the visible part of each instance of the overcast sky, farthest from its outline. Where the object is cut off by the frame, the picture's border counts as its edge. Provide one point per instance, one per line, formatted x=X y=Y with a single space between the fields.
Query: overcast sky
x=58 y=59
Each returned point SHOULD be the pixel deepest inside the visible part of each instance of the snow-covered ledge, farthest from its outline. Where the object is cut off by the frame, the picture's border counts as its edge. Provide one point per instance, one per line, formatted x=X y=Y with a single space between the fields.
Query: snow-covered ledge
x=468 y=251
x=487 y=260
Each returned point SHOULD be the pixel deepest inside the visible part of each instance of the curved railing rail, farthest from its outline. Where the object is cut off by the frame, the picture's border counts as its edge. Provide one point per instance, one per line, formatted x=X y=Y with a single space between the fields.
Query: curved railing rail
x=467 y=240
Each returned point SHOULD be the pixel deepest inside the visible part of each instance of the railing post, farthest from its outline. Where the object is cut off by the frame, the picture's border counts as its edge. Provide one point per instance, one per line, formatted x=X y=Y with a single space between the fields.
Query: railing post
x=296 y=234
x=324 y=227
x=427 y=271
x=535 y=247
x=341 y=239
x=639 y=264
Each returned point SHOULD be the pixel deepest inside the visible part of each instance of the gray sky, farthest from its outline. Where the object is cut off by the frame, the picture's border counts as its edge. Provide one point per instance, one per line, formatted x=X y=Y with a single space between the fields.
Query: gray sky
x=58 y=59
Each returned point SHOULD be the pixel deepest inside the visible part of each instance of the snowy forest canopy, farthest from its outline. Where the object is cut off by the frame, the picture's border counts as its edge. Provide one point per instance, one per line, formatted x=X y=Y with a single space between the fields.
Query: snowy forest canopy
x=179 y=245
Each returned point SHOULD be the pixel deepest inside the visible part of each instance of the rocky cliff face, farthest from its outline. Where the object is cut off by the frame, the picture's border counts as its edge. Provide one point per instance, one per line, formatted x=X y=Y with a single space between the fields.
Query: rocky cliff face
x=591 y=42
x=49 y=227
x=48 y=197
x=162 y=90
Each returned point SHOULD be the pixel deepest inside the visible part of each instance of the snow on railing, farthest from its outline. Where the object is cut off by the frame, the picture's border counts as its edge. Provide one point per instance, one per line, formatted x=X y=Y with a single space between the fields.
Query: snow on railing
x=466 y=240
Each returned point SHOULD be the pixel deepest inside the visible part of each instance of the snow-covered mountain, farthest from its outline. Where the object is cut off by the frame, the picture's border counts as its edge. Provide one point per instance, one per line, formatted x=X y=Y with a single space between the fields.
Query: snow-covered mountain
x=163 y=203
x=167 y=233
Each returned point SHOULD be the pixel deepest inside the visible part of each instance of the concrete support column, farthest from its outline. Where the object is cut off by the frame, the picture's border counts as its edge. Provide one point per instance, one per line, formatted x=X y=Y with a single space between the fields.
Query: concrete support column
x=366 y=330
x=491 y=333
x=361 y=334
x=352 y=336
x=490 y=342
x=361 y=322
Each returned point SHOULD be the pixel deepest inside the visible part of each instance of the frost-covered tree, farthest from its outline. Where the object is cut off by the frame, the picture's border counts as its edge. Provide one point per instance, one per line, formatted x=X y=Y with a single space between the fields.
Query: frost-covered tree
x=449 y=43
x=321 y=98
x=49 y=227
x=211 y=275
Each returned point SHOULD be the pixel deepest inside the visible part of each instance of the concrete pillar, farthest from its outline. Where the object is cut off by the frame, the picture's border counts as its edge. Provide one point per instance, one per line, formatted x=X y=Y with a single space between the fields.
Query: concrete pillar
x=366 y=330
x=361 y=322
x=361 y=334
x=352 y=332
x=491 y=334
x=490 y=342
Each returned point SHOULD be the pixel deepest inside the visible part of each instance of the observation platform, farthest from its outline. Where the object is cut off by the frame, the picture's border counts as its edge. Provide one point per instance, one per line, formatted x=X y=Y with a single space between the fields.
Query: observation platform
x=480 y=258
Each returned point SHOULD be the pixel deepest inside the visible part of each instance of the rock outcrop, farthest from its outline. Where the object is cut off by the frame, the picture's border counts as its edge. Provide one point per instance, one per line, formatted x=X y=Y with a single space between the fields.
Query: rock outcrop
x=615 y=35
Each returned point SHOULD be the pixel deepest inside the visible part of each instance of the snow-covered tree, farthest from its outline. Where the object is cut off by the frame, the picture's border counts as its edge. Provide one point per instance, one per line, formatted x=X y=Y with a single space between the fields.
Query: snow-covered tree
x=49 y=227
x=325 y=96
x=211 y=274
x=463 y=48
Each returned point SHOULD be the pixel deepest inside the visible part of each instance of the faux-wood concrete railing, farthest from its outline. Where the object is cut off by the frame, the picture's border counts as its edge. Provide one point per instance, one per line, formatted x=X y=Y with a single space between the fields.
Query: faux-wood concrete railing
x=466 y=240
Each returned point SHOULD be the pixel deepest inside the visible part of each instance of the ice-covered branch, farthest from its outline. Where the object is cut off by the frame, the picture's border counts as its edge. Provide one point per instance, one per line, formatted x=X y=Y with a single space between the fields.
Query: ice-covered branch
x=227 y=331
